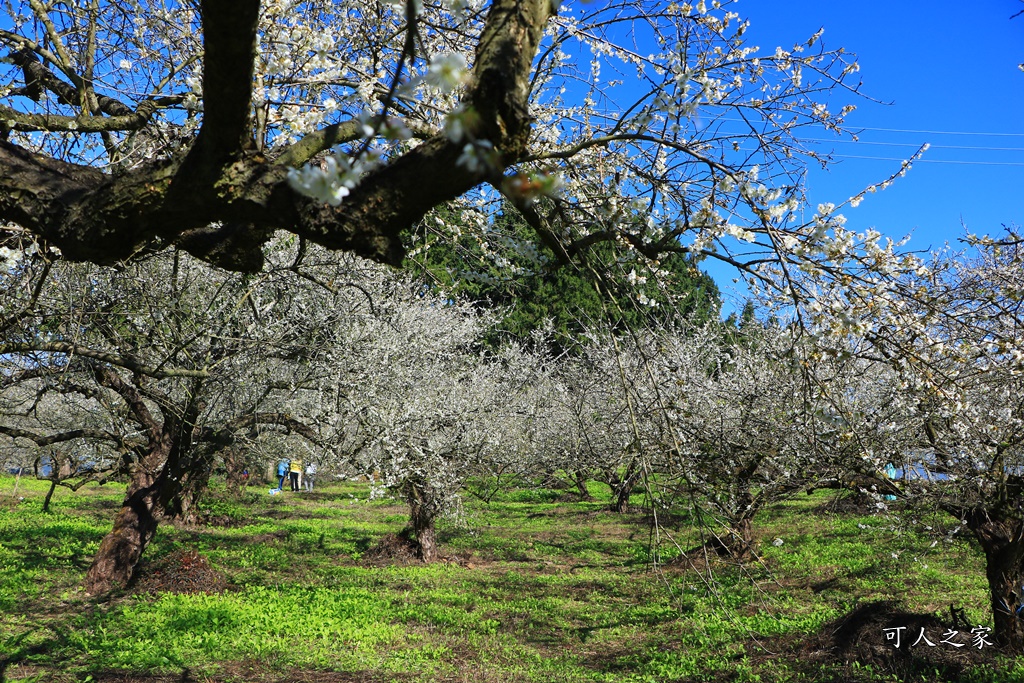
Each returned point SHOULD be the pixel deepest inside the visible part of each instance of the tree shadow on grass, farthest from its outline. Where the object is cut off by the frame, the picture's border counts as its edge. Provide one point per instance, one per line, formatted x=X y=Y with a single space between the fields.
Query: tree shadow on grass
x=252 y=673
x=41 y=551
x=861 y=646
x=14 y=651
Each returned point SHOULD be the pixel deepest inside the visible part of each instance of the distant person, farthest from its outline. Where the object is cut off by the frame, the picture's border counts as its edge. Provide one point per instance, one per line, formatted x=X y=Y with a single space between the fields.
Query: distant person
x=294 y=470
x=310 y=475
x=282 y=472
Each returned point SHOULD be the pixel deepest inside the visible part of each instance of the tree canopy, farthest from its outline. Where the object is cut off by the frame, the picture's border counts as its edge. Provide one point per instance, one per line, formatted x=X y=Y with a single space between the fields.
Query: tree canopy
x=207 y=127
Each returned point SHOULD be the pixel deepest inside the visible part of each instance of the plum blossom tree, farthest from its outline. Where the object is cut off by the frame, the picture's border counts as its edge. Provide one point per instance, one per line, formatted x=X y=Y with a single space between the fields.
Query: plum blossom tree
x=426 y=405
x=615 y=426
x=734 y=424
x=152 y=369
x=208 y=127
x=945 y=338
x=737 y=415
x=966 y=375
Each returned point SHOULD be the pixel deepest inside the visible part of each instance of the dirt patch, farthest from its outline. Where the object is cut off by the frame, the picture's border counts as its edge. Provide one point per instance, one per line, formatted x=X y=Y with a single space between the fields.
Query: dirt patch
x=183 y=571
x=847 y=503
x=222 y=521
x=867 y=637
x=401 y=549
x=398 y=548
x=279 y=536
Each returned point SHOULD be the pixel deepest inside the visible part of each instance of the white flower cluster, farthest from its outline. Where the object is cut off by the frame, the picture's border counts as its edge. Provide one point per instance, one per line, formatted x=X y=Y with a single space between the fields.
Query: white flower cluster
x=459 y=122
x=334 y=178
x=10 y=258
x=446 y=72
x=476 y=156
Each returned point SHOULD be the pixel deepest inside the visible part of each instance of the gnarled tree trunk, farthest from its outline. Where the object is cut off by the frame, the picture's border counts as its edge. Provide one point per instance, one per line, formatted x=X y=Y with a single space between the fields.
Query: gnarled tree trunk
x=736 y=544
x=622 y=486
x=422 y=514
x=1002 y=539
x=155 y=482
x=134 y=527
x=60 y=469
x=580 y=479
x=192 y=477
x=236 y=466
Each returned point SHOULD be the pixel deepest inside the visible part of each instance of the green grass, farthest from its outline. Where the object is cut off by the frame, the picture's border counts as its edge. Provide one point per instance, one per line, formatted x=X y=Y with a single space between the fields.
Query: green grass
x=535 y=589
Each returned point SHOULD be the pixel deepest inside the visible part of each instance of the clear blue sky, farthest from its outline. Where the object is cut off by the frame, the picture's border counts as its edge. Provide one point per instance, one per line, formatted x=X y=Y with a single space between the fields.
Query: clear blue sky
x=949 y=73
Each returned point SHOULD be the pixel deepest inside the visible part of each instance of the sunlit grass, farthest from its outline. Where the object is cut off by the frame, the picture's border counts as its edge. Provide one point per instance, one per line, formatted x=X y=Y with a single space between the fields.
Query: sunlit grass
x=536 y=587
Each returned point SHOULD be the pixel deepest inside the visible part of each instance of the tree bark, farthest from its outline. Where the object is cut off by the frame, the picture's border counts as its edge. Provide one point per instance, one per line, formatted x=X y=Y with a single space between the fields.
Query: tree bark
x=737 y=544
x=60 y=469
x=49 y=493
x=422 y=513
x=622 y=487
x=621 y=504
x=193 y=482
x=154 y=483
x=742 y=546
x=235 y=464
x=134 y=527
x=580 y=479
x=1002 y=539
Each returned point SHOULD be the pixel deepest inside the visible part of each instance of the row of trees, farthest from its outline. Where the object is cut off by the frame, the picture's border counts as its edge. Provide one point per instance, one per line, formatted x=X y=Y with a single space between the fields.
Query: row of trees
x=161 y=368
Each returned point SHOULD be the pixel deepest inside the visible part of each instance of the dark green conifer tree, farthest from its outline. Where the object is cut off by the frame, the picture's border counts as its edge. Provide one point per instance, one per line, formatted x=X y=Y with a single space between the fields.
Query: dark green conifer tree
x=605 y=286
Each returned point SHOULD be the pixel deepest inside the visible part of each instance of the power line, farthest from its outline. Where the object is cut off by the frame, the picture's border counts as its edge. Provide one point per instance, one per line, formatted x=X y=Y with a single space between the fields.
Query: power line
x=931 y=161
x=853 y=129
x=913 y=144
x=937 y=132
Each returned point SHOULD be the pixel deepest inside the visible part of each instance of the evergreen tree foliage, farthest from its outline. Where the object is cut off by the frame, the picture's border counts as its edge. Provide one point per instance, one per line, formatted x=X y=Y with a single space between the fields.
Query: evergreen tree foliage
x=538 y=294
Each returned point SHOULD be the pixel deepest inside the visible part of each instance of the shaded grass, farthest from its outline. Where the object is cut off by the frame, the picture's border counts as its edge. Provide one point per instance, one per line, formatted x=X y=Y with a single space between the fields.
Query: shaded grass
x=535 y=588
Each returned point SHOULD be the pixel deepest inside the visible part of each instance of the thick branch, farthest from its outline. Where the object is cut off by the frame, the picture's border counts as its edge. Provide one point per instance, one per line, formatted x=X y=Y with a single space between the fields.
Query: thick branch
x=112 y=358
x=38 y=78
x=49 y=439
x=110 y=379
x=19 y=121
x=855 y=481
x=310 y=145
x=504 y=58
x=225 y=434
x=229 y=49
x=540 y=225
x=9 y=380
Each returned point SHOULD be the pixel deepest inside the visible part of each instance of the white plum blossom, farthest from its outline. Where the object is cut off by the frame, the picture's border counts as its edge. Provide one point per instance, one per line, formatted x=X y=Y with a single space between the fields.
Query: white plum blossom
x=457 y=122
x=333 y=179
x=475 y=156
x=9 y=258
x=321 y=184
x=446 y=71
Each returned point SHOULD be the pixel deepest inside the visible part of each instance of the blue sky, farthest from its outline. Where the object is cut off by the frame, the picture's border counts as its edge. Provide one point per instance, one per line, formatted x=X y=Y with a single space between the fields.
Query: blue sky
x=949 y=74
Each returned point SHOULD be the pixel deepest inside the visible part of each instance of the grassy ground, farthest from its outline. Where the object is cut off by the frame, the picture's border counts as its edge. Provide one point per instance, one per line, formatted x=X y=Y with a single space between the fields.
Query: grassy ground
x=533 y=588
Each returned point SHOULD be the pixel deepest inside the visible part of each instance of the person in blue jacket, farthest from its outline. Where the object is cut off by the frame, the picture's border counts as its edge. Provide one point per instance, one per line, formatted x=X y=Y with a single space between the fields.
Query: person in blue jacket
x=282 y=472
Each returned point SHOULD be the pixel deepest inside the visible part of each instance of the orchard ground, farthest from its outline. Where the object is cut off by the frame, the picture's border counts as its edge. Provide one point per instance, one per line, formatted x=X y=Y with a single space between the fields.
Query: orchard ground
x=535 y=585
